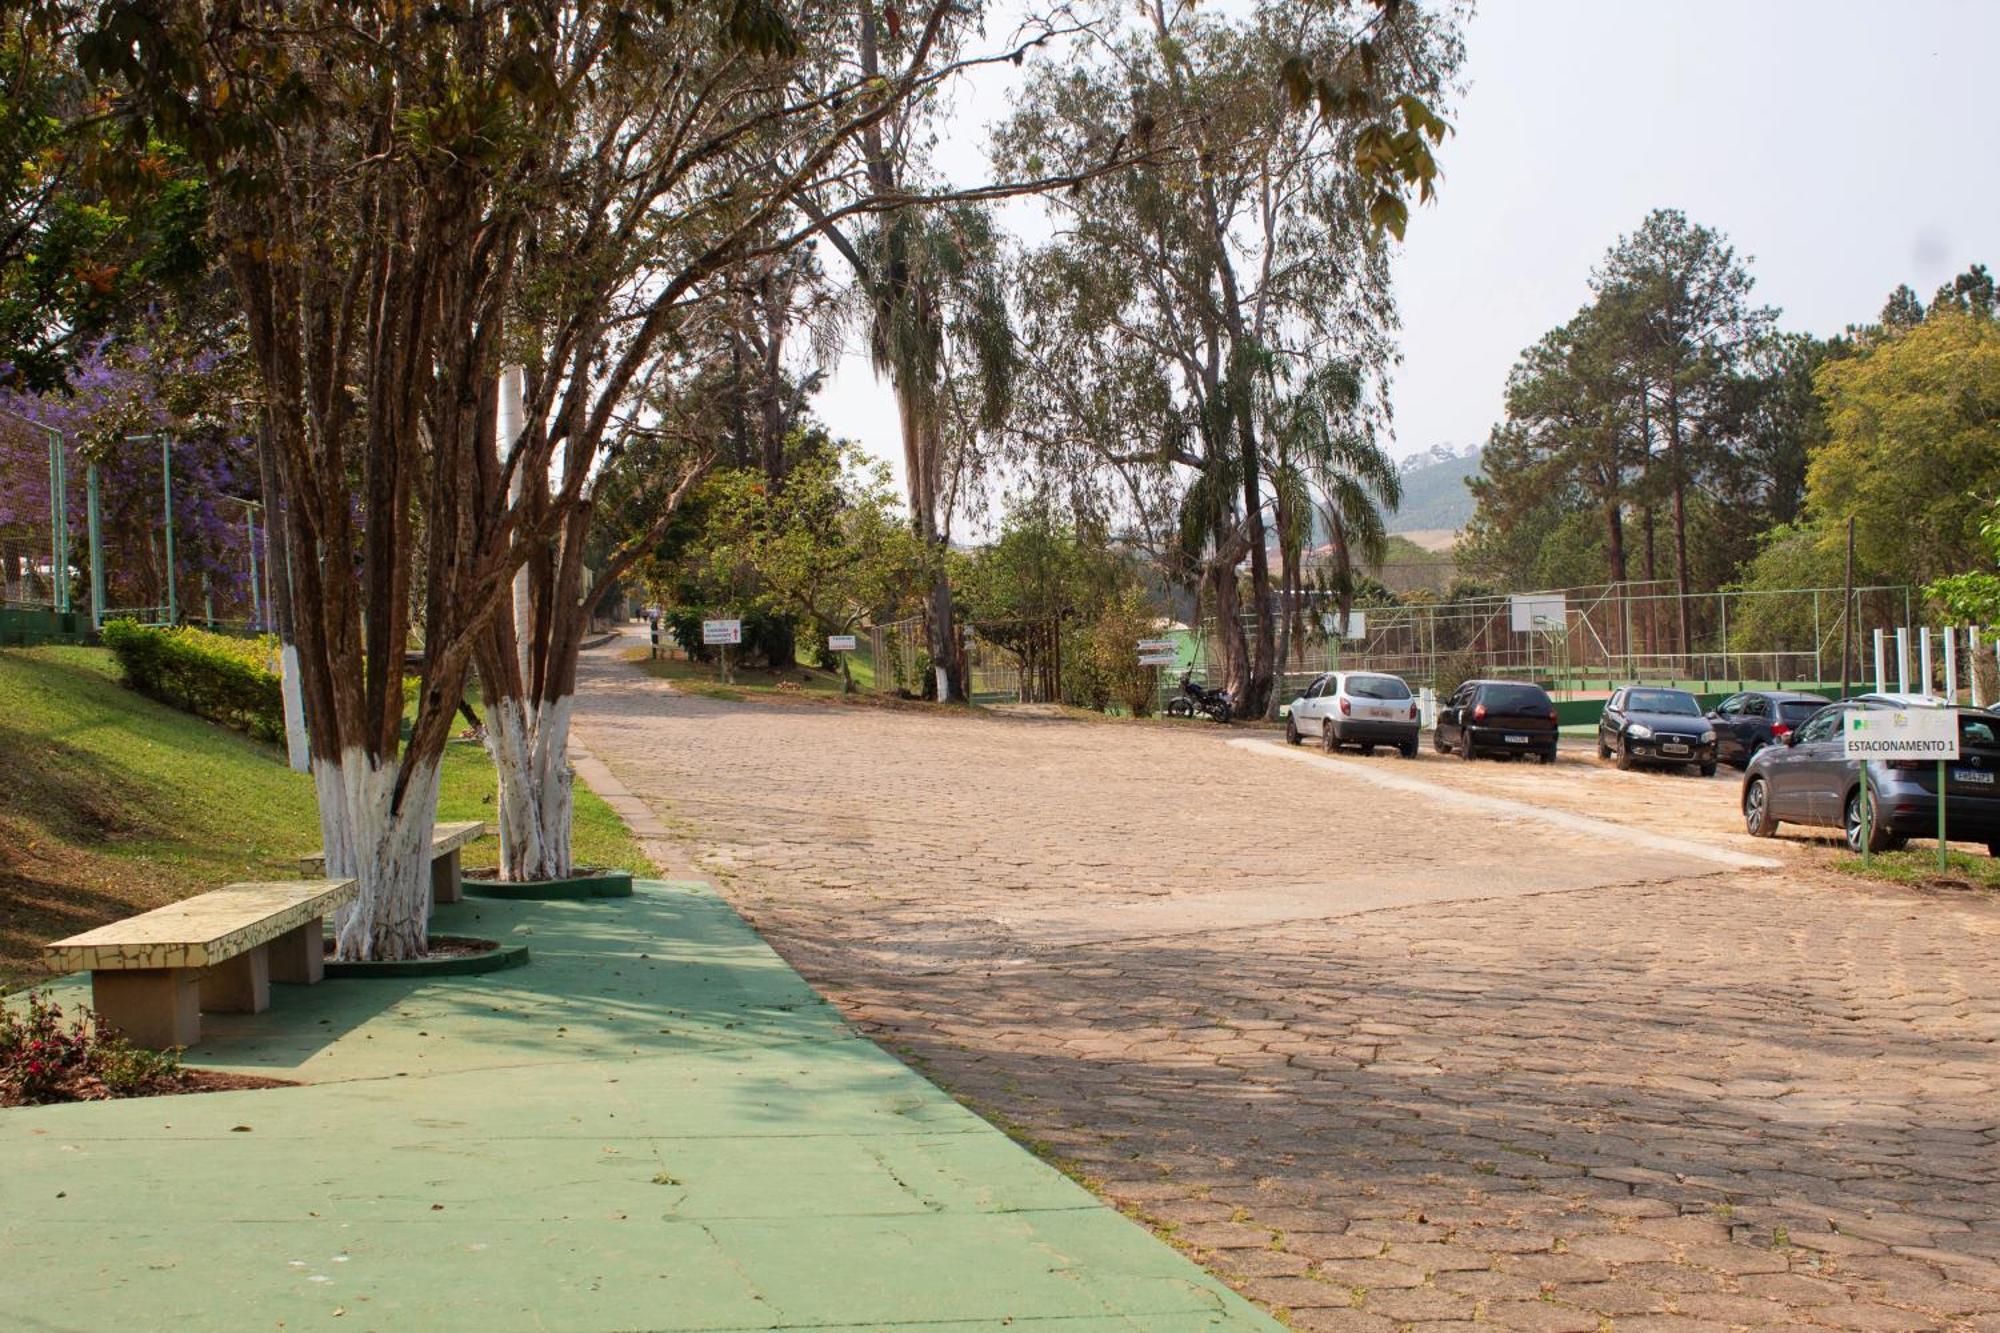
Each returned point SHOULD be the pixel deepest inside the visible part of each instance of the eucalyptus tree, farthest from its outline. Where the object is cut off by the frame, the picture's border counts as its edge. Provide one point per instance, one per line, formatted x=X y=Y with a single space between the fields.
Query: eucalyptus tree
x=1248 y=237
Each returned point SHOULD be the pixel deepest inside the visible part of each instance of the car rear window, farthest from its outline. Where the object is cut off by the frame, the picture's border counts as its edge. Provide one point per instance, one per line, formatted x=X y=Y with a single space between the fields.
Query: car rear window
x=1796 y=711
x=1514 y=698
x=1377 y=687
x=1675 y=703
x=1976 y=731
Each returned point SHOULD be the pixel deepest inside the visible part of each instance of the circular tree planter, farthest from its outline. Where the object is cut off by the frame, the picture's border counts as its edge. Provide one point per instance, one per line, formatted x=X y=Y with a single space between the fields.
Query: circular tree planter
x=594 y=883
x=455 y=956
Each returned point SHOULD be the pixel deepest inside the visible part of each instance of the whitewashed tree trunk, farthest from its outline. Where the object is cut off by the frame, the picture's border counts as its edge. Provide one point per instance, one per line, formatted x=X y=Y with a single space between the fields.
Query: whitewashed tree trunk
x=530 y=749
x=388 y=852
x=296 y=753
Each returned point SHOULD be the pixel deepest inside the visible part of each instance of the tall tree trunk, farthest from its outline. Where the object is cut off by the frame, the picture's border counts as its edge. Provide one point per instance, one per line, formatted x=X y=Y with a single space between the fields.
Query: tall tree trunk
x=277 y=547
x=1614 y=545
x=1257 y=691
x=1677 y=469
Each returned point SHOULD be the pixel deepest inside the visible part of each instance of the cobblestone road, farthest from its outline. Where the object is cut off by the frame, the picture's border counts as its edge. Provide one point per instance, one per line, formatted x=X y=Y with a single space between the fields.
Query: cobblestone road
x=1380 y=1060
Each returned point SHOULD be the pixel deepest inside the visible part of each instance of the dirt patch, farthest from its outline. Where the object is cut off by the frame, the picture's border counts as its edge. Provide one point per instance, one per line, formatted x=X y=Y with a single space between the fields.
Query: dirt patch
x=88 y=1088
x=443 y=946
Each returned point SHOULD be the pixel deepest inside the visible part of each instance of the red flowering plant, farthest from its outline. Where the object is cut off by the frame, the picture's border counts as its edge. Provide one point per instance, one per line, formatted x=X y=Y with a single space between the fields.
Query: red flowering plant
x=47 y=1057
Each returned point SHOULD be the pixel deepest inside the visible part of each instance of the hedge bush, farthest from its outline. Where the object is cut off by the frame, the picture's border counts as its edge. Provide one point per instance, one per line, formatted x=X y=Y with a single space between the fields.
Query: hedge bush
x=224 y=679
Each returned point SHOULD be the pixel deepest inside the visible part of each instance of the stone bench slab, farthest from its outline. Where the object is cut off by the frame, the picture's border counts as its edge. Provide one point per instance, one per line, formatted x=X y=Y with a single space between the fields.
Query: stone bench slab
x=204 y=930
x=445 y=839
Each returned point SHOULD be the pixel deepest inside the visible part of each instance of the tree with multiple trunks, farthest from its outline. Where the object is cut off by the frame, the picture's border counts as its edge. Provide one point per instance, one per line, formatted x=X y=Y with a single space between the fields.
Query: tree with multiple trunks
x=409 y=200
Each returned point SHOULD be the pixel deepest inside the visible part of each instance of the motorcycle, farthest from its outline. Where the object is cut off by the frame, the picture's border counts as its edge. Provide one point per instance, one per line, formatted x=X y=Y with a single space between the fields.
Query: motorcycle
x=1199 y=701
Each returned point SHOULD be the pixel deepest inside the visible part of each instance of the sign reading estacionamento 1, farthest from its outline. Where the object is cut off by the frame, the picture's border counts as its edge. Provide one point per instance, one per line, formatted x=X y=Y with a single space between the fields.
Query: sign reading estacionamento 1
x=721 y=631
x=1900 y=733
x=841 y=643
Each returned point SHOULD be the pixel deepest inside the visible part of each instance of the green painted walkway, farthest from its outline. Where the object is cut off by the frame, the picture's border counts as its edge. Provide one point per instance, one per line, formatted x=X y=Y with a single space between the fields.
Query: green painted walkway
x=655 y=1125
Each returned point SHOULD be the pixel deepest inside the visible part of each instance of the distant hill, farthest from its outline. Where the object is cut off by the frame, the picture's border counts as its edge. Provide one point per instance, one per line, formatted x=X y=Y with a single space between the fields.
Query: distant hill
x=1434 y=494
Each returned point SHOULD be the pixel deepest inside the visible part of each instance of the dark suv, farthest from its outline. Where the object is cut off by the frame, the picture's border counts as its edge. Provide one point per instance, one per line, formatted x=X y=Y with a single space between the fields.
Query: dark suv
x=1497 y=717
x=1807 y=779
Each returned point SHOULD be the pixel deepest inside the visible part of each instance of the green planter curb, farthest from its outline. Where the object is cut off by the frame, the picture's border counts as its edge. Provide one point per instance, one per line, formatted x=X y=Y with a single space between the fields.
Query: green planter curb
x=492 y=960
x=610 y=884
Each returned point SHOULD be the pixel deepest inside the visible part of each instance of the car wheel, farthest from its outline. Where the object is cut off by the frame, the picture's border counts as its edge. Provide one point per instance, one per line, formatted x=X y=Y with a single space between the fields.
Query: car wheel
x=1292 y=736
x=1993 y=848
x=1465 y=745
x=1708 y=770
x=1878 y=840
x=1408 y=749
x=1367 y=751
x=1437 y=743
x=1603 y=750
x=1328 y=741
x=1548 y=756
x=1757 y=816
x=1624 y=757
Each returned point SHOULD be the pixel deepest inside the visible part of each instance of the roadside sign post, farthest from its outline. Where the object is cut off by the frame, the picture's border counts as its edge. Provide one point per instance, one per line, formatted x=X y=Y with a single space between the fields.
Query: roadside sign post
x=722 y=633
x=1901 y=734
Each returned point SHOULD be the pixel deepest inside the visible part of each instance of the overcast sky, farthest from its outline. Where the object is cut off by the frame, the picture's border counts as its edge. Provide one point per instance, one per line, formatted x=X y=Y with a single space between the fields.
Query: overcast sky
x=1843 y=147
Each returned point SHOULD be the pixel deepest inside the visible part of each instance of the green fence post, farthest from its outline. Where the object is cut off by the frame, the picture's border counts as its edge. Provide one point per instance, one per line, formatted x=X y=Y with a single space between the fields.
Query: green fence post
x=1944 y=852
x=58 y=527
x=93 y=515
x=167 y=499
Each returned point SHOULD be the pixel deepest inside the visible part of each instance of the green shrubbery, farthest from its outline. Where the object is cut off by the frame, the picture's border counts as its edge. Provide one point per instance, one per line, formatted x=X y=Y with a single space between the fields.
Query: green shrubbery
x=224 y=679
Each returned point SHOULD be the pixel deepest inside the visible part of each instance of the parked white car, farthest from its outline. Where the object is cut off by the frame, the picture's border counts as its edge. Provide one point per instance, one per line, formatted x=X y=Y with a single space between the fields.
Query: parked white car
x=1364 y=708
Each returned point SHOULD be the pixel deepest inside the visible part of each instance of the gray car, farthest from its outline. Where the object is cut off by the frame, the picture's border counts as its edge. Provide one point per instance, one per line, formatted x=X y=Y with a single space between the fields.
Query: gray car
x=1808 y=779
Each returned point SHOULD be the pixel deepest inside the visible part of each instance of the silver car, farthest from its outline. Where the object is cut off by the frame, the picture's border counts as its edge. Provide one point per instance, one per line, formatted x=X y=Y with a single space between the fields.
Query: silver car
x=1364 y=708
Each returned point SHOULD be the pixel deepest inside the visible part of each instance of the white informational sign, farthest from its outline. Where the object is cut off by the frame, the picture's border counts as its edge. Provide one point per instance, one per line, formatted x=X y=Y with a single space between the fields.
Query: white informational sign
x=841 y=643
x=1354 y=625
x=1900 y=733
x=1157 y=659
x=721 y=631
x=1156 y=645
x=1531 y=611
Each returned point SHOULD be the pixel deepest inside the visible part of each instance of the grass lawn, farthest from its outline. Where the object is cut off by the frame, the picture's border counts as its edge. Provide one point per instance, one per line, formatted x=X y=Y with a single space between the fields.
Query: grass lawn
x=111 y=804
x=1918 y=867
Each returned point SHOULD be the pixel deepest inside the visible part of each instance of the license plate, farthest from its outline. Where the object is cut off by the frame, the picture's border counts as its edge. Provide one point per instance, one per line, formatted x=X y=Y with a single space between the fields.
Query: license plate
x=1517 y=740
x=1673 y=749
x=1972 y=776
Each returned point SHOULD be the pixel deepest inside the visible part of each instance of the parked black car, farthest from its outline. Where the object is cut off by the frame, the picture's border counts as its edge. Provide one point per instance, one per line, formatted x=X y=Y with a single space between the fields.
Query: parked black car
x=1497 y=717
x=1746 y=723
x=1647 y=724
x=1806 y=779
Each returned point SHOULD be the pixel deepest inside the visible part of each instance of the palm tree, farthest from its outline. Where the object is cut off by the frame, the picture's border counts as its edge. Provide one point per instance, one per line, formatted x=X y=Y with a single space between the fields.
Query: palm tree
x=1322 y=462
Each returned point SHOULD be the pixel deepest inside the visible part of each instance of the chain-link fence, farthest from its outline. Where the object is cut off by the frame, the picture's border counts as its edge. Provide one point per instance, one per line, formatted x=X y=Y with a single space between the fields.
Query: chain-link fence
x=141 y=527
x=1588 y=640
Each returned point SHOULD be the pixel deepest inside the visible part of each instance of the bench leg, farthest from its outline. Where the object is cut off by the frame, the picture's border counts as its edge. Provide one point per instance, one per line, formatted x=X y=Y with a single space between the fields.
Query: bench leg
x=153 y=1007
x=447 y=886
x=239 y=985
x=298 y=957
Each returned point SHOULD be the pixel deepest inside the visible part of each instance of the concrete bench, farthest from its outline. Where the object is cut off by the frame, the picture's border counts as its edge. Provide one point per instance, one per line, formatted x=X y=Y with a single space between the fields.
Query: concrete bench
x=447 y=875
x=152 y=975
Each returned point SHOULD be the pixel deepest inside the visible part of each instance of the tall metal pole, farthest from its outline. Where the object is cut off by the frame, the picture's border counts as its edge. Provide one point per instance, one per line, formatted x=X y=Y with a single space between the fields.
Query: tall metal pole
x=58 y=526
x=167 y=500
x=256 y=607
x=1847 y=615
x=93 y=512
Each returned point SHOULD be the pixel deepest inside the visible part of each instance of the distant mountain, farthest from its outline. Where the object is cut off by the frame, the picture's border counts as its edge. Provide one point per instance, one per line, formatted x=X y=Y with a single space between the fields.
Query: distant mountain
x=1434 y=494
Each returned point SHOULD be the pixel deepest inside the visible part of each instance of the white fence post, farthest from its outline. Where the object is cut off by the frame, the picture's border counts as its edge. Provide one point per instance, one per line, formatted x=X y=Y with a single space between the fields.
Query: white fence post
x=1881 y=662
x=1950 y=665
x=1924 y=677
x=1902 y=659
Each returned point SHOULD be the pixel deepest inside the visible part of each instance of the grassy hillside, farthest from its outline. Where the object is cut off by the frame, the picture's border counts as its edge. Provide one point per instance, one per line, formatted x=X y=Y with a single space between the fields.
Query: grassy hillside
x=1434 y=495
x=112 y=804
